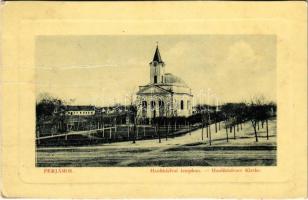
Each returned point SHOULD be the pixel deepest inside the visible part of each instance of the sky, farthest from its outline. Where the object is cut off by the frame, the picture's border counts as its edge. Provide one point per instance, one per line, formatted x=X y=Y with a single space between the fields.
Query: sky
x=104 y=70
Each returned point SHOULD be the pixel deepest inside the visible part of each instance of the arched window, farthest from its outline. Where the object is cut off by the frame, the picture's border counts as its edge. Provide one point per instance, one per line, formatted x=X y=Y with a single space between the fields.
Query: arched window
x=153 y=109
x=182 y=104
x=155 y=79
x=144 y=108
x=152 y=105
x=161 y=105
x=144 y=105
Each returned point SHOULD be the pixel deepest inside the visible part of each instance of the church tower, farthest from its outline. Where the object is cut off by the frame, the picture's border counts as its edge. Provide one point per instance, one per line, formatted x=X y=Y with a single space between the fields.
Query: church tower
x=157 y=68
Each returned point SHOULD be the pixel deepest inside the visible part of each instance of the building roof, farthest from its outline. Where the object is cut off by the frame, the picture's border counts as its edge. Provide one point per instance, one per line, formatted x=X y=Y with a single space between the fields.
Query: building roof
x=174 y=80
x=79 y=108
x=157 y=57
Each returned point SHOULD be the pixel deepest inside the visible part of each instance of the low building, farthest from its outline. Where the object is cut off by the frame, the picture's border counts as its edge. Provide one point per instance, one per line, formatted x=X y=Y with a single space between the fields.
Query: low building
x=80 y=110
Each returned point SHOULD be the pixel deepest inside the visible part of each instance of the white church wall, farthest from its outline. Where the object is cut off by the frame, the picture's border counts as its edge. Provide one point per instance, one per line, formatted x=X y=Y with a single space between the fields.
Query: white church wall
x=186 y=110
x=167 y=103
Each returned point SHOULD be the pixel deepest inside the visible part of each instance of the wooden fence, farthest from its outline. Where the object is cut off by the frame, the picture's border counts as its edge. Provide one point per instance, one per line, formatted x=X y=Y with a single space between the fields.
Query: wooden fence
x=115 y=133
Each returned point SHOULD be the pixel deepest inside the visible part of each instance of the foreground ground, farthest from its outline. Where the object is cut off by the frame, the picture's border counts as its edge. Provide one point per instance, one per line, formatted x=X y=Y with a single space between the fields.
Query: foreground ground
x=185 y=150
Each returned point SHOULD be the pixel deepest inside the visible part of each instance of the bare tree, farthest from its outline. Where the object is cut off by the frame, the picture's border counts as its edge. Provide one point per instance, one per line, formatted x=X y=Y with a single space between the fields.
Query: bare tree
x=257 y=113
x=133 y=111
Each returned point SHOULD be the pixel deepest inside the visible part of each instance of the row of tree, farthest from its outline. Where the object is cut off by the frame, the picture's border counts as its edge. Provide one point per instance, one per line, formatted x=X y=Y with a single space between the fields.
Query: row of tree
x=229 y=115
x=257 y=111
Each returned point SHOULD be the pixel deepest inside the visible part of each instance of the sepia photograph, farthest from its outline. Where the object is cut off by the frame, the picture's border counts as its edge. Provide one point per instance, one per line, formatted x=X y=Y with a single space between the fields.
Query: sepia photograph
x=155 y=100
x=138 y=100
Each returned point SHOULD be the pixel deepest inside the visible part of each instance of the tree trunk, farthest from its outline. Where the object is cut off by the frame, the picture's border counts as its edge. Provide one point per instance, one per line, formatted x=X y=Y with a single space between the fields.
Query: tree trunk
x=167 y=132
x=227 y=134
x=207 y=131
x=134 y=136
x=202 y=131
x=137 y=131
x=210 y=139
x=255 y=130
x=215 y=126
x=159 y=140
x=266 y=129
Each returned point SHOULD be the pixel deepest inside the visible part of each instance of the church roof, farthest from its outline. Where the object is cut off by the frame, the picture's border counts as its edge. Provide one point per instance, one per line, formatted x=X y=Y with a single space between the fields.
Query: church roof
x=157 y=56
x=174 y=80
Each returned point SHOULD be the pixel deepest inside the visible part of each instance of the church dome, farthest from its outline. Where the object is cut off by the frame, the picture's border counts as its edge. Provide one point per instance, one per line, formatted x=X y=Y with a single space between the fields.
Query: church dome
x=174 y=80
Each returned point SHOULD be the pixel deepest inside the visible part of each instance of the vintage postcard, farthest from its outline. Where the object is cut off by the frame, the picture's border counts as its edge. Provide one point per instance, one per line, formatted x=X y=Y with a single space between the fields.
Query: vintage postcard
x=154 y=99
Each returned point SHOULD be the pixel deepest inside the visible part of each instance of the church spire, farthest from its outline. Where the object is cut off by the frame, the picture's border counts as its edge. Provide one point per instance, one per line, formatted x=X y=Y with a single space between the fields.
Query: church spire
x=157 y=68
x=157 y=57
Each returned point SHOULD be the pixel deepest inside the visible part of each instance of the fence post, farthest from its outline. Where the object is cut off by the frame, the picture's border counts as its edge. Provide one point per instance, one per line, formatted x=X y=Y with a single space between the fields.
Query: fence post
x=202 y=131
x=234 y=131
x=167 y=132
x=175 y=126
x=168 y=128
x=110 y=130
x=144 y=130
x=103 y=130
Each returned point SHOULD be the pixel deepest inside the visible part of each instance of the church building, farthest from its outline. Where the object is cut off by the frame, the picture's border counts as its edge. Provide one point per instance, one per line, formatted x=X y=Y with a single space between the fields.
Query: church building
x=166 y=95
